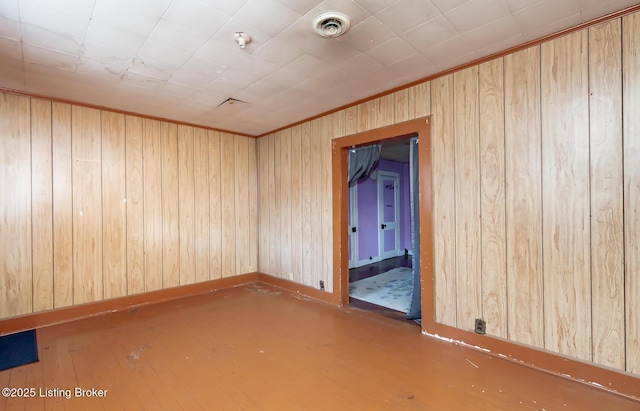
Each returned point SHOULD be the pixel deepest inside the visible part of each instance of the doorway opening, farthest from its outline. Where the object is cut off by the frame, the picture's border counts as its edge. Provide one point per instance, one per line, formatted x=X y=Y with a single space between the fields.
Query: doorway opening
x=391 y=244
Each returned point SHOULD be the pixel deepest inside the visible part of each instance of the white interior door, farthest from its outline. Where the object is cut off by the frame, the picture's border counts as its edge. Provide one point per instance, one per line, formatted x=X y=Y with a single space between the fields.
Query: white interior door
x=353 y=226
x=388 y=214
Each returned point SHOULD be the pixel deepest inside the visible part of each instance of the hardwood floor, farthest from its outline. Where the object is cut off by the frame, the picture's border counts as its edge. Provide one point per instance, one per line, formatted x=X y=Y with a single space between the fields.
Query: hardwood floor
x=256 y=347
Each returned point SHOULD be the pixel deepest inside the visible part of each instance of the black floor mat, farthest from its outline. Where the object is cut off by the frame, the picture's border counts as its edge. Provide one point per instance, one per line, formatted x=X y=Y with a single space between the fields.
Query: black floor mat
x=18 y=349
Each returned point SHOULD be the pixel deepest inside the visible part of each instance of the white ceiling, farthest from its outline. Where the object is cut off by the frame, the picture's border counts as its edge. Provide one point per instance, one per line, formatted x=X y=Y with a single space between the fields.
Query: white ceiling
x=176 y=59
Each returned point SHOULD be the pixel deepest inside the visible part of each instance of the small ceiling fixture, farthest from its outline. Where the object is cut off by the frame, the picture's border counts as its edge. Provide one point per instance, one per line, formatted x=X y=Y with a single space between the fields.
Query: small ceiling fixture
x=331 y=24
x=242 y=39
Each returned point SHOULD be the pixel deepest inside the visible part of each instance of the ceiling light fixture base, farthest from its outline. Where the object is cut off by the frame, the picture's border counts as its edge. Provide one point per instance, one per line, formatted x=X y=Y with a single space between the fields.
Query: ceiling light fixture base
x=242 y=39
x=331 y=24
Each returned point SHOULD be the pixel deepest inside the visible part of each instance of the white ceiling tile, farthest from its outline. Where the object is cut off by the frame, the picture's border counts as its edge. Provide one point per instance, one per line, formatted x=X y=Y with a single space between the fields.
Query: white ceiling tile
x=431 y=33
x=220 y=53
x=448 y=50
x=227 y=31
x=545 y=12
x=446 y=5
x=258 y=91
x=301 y=36
x=55 y=20
x=367 y=34
x=255 y=66
x=493 y=32
x=373 y=6
x=361 y=63
x=384 y=77
x=150 y=68
x=476 y=13
x=591 y=9
x=238 y=78
x=196 y=73
x=277 y=52
x=9 y=28
x=257 y=14
x=12 y=75
x=391 y=51
x=406 y=15
x=10 y=9
x=501 y=46
x=196 y=15
x=334 y=52
x=171 y=58
x=347 y=7
x=212 y=95
x=49 y=58
x=128 y=15
x=10 y=49
x=141 y=81
x=308 y=65
x=413 y=67
x=285 y=77
x=114 y=37
x=178 y=36
x=227 y=7
x=40 y=36
x=300 y=6
x=97 y=68
x=553 y=27
x=515 y=5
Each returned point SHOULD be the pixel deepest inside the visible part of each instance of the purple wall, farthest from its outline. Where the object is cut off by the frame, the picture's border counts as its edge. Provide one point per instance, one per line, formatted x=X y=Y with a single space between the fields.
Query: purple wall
x=368 y=210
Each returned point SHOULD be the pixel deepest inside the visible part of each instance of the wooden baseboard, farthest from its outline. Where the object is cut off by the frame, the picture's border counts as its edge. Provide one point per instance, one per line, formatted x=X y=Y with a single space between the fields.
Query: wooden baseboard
x=298 y=288
x=62 y=315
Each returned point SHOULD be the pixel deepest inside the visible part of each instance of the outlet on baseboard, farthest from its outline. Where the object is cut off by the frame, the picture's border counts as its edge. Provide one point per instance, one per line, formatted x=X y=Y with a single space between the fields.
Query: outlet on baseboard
x=321 y=285
x=481 y=326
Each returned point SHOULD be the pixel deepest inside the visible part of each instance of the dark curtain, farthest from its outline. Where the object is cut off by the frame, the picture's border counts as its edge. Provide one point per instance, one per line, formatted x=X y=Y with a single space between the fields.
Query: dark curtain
x=362 y=160
x=415 y=309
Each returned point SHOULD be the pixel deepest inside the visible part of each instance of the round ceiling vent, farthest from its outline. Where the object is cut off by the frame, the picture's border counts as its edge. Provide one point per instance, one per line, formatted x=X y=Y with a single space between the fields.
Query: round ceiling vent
x=331 y=24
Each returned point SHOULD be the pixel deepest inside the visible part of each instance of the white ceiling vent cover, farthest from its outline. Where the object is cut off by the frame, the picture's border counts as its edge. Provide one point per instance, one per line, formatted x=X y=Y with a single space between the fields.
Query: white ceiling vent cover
x=331 y=24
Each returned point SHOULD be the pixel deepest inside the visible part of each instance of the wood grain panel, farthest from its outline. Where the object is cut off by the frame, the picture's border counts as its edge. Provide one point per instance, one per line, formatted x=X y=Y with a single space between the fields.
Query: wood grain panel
x=42 y=204
x=420 y=100
x=367 y=115
x=605 y=160
x=16 y=274
x=523 y=197
x=401 y=105
x=227 y=198
x=186 y=205
x=263 y=208
x=296 y=204
x=152 y=181
x=444 y=217
x=62 y=192
x=315 y=237
x=241 y=206
x=329 y=124
x=274 y=216
x=492 y=197
x=252 y=187
x=387 y=111
x=565 y=196
x=631 y=147
x=170 y=194
x=284 y=143
x=215 y=207
x=351 y=120
x=135 y=206
x=307 y=216
x=87 y=205
x=202 y=198
x=467 y=192
x=114 y=205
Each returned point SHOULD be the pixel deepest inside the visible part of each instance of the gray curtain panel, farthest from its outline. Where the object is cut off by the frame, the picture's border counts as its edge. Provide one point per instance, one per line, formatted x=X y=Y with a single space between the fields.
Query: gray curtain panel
x=362 y=160
x=415 y=309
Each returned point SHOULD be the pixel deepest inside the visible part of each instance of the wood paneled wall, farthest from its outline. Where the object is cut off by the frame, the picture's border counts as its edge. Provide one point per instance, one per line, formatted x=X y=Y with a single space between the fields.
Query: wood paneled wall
x=536 y=193
x=98 y=205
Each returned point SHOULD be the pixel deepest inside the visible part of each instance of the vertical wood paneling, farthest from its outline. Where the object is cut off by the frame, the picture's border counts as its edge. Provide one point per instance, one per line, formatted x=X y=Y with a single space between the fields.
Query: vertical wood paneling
x=253 y=206
x=296 y=204
x=523 y=197
x=202 y=198
x=241 y=206
x=215 y=207
x=284 y=247
x=467 y=192
x=186 y=206
x=62 y=205
x=227 y=195
x=42 y=204
x=492 y=199
x=631 y=147
x=307 y=215
x=152 y=175
x=420 y=100
x=607 y=237
x=170 y=194
x=565 y=196
x=87 y=205
x=386 y=111
x=401 y=105
x=367 y=115
x=351 y=120
x=333 y=125
x=315 y=238
x=263 y=205
x=16 y=274
x=274 y=212
x=135 y=206
x=114 y=206
x=444 y=218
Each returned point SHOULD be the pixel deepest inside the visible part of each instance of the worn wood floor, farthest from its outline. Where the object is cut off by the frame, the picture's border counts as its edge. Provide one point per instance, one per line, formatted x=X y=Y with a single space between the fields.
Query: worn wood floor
x=257 y=348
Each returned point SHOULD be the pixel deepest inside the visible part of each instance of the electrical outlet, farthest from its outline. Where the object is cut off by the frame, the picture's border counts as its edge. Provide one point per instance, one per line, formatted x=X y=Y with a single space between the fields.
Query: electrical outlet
x=481 y=326
x=321 y=285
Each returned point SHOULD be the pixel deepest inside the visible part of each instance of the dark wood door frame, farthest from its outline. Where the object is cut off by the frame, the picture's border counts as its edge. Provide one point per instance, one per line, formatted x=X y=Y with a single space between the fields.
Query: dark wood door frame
x=340 y=146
